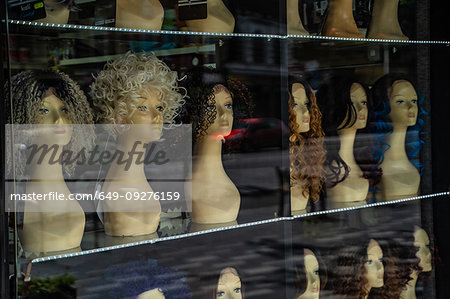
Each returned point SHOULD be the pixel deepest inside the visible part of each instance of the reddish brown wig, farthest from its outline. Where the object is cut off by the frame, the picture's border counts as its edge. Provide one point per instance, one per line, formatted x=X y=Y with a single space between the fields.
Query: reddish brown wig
x=306 y=150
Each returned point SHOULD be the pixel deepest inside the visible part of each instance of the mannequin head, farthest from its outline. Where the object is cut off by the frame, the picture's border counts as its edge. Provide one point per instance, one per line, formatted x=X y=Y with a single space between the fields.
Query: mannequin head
x=306 y=138
x=226 y=283
x=400 y=263
x=359 y=268
x=144 y=280
x=397 y=105
x=422 y=243
x=310 y=275
x=229 y=285
x=53 y=100
x=344 y=103
x=139 y=89
x=213 y=102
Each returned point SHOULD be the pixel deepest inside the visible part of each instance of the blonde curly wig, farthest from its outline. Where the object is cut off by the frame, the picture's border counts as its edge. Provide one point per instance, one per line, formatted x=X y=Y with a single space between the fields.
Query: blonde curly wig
x=28 y=89
x=118 y=86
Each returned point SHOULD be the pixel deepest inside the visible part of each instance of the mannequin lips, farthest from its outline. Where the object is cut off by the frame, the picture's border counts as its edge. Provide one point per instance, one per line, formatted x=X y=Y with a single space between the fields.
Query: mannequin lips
x=380 y=276
x=411 y=115
x=362 y=117
x=315 y=290
x=306 y=120
x=224 y=123
x=59 y=131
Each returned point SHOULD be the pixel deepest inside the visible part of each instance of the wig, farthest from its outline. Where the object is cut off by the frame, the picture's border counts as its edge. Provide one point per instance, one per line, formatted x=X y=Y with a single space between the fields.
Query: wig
x=200 y=111
x=383 y=128
x=349 y=272
x=300 y=278
x=208 y=290
x=28 y=89
x=399 y=260
x=335 y=103
x=306 y=150
x=118 y=86
x=134 y=278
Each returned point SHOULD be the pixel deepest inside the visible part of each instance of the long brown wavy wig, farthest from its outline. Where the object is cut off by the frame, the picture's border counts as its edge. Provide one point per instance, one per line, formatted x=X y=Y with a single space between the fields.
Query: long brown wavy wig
x=306 y=150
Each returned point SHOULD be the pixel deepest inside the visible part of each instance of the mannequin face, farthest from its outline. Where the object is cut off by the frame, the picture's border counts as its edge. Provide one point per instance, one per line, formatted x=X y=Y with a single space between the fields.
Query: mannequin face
x=301 y=107
x=224 y=113
x=229 y=285
x=403 y=103
x=422 y=241
x=148 y=116
x=151 y=294
x=374 y=265
x=358 y=97
x=55 y=116
x=312 y=276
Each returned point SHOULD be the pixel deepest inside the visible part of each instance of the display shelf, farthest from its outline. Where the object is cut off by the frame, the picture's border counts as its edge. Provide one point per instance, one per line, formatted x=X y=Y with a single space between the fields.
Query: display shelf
x=69 y=28
x=98 y=237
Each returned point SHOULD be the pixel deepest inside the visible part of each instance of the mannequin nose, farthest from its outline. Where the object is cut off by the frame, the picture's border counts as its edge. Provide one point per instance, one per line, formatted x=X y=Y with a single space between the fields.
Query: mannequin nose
x=60 y=120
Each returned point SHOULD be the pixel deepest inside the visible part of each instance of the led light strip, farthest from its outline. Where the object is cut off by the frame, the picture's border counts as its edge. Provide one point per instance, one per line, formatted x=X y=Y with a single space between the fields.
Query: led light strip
x=114 y=29
x=238 y=226
x=193 y=33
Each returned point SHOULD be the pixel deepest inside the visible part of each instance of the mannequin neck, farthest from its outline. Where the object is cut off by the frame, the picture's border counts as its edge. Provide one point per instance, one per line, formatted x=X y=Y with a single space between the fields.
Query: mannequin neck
x=209 y=153
x=396 y=140
x=49 y=169
x=410 y=291
x=343 y=7
x=347 y=141
x=134 y=154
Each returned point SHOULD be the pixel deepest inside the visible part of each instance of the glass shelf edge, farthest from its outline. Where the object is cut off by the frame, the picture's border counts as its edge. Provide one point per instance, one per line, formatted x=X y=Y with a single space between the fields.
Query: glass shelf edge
x=213 y=34
x=238 y=226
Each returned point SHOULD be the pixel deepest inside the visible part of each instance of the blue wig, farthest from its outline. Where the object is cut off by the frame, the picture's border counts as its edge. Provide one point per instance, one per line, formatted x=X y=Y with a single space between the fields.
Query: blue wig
x=134 y=278
x=382 y=128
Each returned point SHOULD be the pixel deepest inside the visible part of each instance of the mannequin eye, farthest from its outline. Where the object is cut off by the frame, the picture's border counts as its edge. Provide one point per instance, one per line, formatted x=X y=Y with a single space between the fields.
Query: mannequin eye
x=414 y=101
x=400 y=102
x=220 y=293
x=44 y=110
x=237 y=290
x=211 y=108
x=364 y=103
x=65 y=110
x=142 y=108
x=370 y=262
x=160 y=108
x=229 y=106
x=316 y=272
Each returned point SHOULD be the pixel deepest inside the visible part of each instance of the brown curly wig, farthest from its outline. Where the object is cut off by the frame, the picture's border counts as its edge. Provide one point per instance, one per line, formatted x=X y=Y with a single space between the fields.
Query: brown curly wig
x=397 y=270
x=28 y=88
x=201 y=83
x=349 y=272
x=306 y=151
